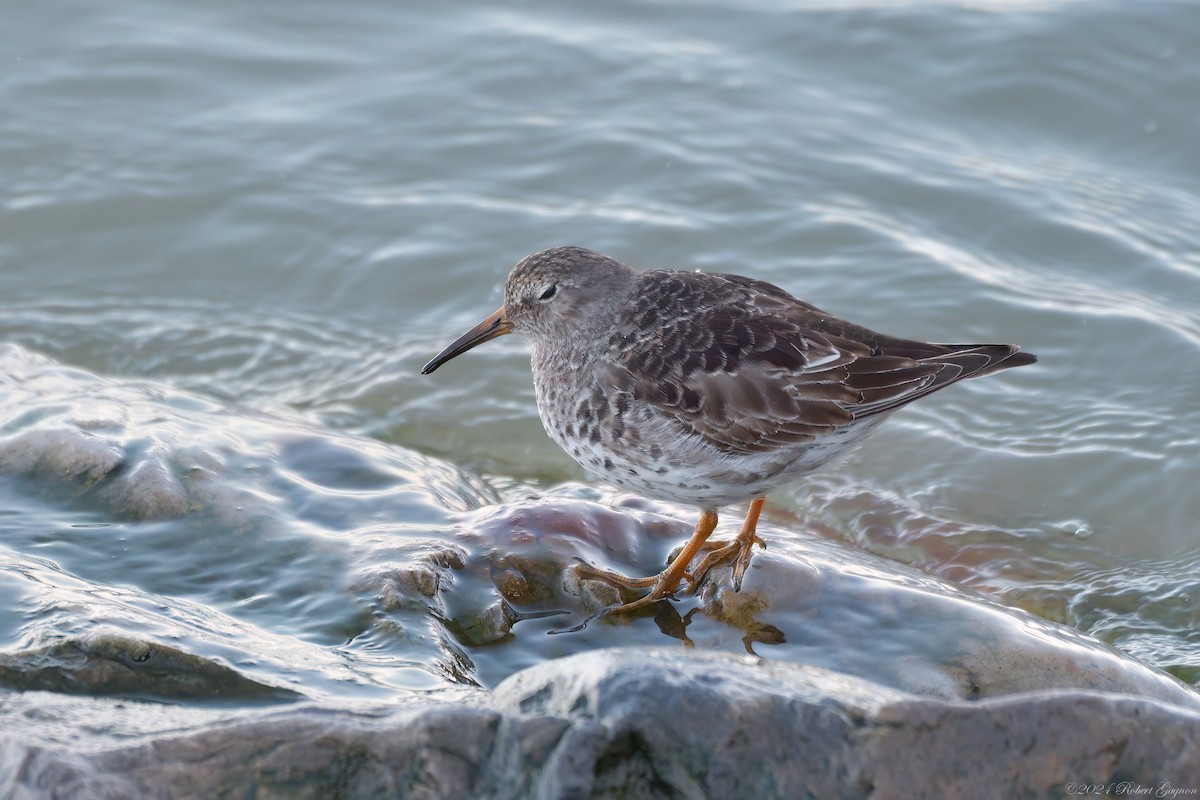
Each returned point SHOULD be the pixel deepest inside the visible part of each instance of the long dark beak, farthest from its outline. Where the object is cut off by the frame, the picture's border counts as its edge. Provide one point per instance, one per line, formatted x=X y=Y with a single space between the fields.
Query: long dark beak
x=490 y=328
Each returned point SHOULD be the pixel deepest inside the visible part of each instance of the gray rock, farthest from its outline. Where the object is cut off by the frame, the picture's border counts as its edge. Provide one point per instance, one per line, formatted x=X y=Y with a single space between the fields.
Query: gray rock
x=804 y=600
x=110 y=664
x=638 y=723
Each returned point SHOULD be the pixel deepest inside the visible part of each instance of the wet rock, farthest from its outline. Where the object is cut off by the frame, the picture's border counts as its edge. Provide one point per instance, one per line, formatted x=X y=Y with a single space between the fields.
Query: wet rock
x=177 y=506
x=415 y=583
x=593 y=594
x=709 y=725
x=940 y=640
x=150 y=489
x=121 y=665
x=803 y=600
x=1039 y=745
x=143 y=452
x=525 y=579
x=632 y=723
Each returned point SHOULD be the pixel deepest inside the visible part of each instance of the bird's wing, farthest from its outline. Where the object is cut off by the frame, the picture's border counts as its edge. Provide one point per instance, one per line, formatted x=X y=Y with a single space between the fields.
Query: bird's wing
x=748 y=368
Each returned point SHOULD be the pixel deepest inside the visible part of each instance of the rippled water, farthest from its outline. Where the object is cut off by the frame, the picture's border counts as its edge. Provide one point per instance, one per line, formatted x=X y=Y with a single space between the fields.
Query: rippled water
x=276 y=213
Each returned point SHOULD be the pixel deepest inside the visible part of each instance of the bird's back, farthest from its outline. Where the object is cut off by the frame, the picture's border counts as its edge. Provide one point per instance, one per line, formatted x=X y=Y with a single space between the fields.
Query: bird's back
x=748 y=366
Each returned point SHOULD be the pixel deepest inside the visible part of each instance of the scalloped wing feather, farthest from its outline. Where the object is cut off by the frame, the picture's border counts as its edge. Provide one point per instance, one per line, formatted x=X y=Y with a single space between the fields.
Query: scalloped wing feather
x=749 y=369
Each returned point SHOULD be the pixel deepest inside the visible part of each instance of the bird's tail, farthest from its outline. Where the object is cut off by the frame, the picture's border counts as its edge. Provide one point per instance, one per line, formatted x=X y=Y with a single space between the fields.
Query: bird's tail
x=977 y=360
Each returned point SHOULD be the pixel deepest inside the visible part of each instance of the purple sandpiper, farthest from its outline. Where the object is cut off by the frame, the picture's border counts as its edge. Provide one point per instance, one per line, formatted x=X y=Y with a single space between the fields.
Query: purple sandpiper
x=705 y=389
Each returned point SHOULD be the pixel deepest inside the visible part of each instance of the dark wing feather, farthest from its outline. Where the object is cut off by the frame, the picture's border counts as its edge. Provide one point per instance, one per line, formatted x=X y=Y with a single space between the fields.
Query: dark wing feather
x=749 y=368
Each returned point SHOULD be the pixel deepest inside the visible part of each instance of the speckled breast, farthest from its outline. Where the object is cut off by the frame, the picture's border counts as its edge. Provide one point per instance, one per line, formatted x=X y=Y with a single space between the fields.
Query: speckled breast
x=630 y=444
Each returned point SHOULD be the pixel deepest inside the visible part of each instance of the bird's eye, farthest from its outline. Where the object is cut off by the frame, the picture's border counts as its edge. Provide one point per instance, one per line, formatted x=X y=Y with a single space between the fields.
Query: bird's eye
x=550 y=291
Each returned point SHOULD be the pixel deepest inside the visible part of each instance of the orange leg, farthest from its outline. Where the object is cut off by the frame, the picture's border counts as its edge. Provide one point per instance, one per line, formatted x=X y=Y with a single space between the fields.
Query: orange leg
x=740 y=549
x=668 y=580
x=585 y=570
x=664 y=583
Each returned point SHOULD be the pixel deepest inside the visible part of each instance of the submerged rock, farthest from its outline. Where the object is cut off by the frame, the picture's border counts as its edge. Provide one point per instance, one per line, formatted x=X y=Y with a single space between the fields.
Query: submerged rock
x=804 y=600
x=148 y=452
x=122 y=665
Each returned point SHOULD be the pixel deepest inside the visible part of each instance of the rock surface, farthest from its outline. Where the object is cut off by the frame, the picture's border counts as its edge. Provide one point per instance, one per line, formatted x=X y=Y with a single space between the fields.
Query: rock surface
x=638 y=723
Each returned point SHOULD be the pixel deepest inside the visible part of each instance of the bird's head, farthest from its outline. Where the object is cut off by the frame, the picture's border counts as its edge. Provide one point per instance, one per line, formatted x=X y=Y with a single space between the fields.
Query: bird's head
x=557 y=293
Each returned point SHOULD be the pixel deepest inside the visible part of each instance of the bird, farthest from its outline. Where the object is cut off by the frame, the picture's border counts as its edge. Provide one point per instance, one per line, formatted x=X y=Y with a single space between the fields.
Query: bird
x=704 y=389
